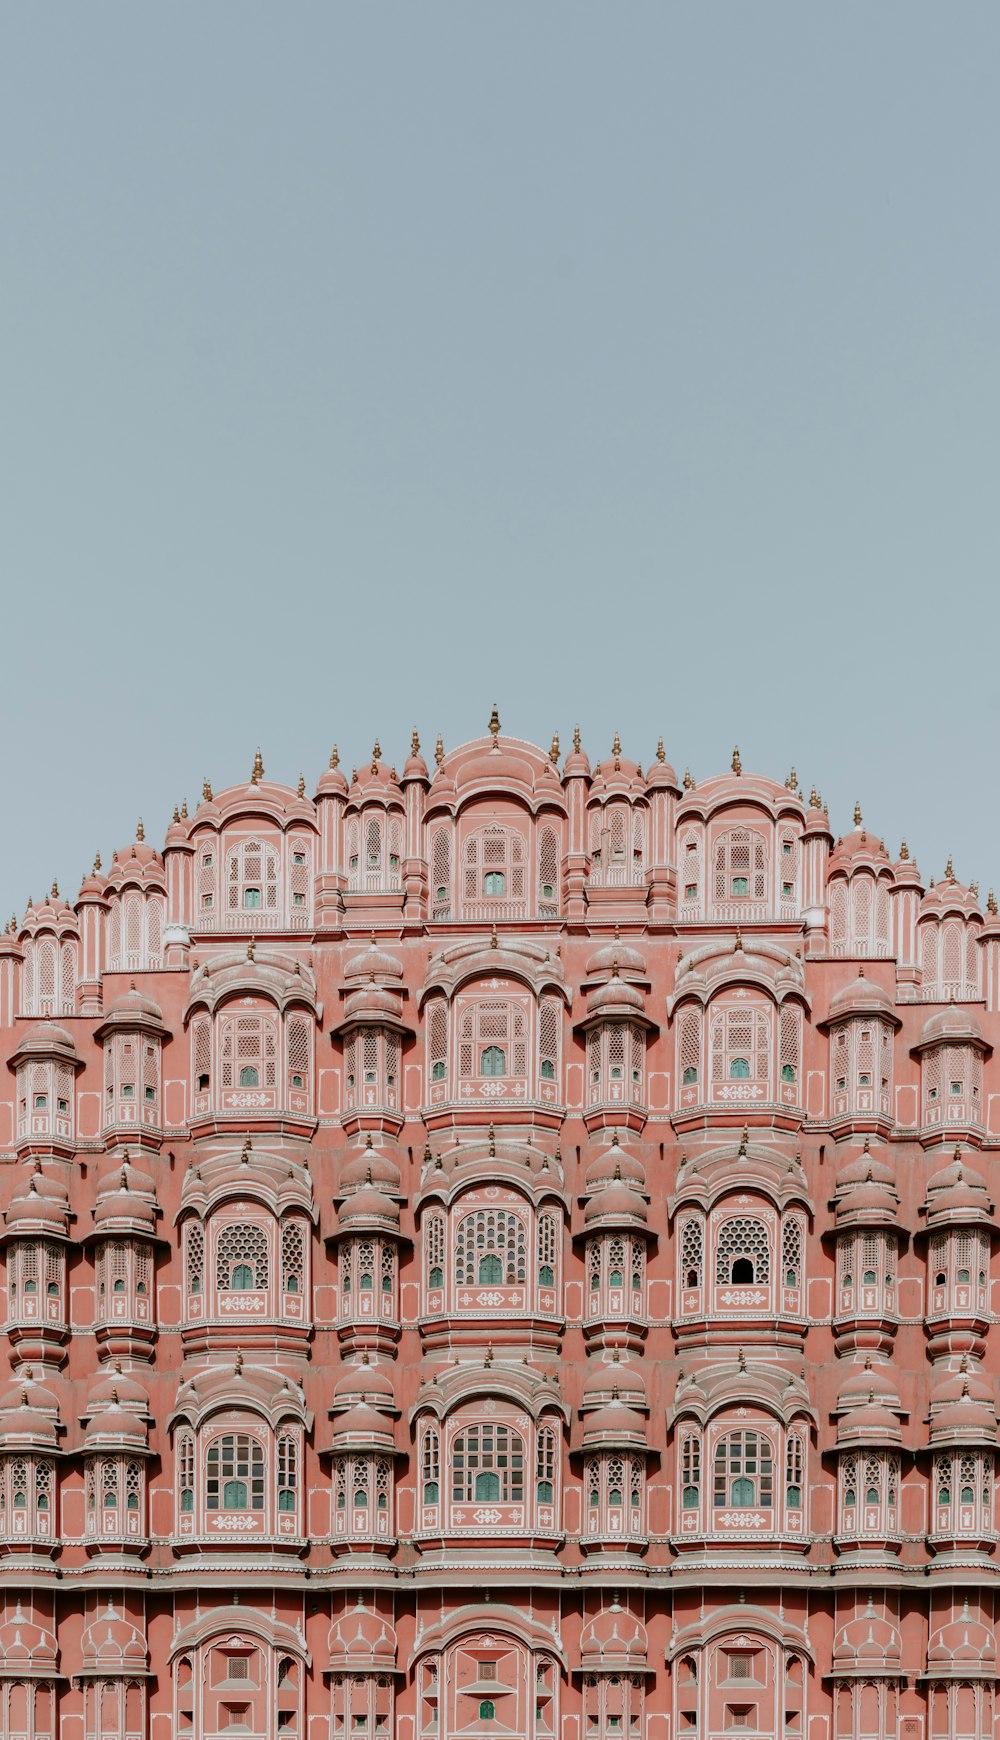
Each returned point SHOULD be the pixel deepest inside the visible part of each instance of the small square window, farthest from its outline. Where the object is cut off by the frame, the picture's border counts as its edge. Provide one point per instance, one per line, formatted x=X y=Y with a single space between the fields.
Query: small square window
x=298 y=857
x=741 y=886
x=298 y=900
x=207 y=860
x=41 y=1102
x=956 y=1087
x=786 y=848
x=62 y=1105
x=128 y=1091
x=786 y=891
x=207 y=901
x=150 y=1094
x=691 y=891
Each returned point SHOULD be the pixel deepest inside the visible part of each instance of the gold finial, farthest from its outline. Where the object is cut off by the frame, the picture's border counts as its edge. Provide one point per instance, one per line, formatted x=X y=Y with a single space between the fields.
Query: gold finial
x=493 y=937
x=744 y=1141
x=576 y=739
x=55 y=889
x=660 y=755
x=184 y=809
x=258 y=768
x=376 y=755
x=743 y=1360
x=335 y=757
x=991 y=904
x=494 y=723
x=949 y=870
x=687 y=781
x=737 y=763
x=792 y=781
x=904 y=852
x=439 y=750
x=250 y=947
x=302 y=785
x=414 y=742
x=488 y=1360
x=238 y=1367
x=493 y=1143
x=177 y=814
x=140 y=832
x=554 y=747
x=857 y=815
x=206 y=790
x=813 y=798
x=245 y=1152
x=616 y=747
x=97 y=861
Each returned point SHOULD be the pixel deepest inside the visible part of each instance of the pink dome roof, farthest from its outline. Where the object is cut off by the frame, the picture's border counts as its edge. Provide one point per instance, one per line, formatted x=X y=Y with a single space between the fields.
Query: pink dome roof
x=865 y=1381
x=365 y=1383
x=957 y=1191
x=361 y=1427
x=331 y=781
x=374 y=1162
x=110 y=1644
x=614 y=1638
x=361 y=1640
x=373 y=963
x=956 y=1024
x=615 y=1425
x=622 y=1376
x=624 y=955
x=368 y=1208
x=862 y=996
x=859 y=849
x=26 y=1645
x=615 y=1203
x=614 y=1163
x=615 y=997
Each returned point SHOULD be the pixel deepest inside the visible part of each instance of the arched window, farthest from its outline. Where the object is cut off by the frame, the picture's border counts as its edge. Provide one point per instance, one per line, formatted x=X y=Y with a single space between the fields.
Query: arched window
x=288 y=1471
x=430 y=1466
x=494 y=873
x=252 y=879
x=241 y=1264
x=434 y=1247
x=740 y=868
x=741 y=1044
x=437 y=1041
x=234 y=1478
x=742 y=1255
x=689 y=1051
x=488 y=1465
x=548 y=872
x=491 y=1245
x=493 y=1039
x=248 y=1051
x=692 y=1252
x=440 y=869
x=744 y=1472
x=691 y=1473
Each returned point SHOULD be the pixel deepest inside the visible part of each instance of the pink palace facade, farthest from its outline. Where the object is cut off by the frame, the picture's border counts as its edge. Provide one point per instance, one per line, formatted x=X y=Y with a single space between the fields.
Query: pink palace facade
x=503 y=1249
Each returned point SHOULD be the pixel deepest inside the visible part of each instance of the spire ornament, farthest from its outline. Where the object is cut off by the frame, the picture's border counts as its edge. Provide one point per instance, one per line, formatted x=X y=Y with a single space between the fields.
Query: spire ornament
x=737 y=764
x=140 y=832
x=439 y=750
x=857 y=814
x=258 y=768
x=494 y=725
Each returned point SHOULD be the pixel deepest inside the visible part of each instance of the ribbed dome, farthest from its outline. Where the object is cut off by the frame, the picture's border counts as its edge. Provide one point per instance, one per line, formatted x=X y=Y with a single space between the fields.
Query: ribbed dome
x=615 y=997
x=361 y=1427
x=957 y=1191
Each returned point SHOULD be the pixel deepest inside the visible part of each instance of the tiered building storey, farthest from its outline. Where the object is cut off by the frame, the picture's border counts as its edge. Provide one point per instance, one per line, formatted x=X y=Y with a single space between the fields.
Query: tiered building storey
x=500 y=1251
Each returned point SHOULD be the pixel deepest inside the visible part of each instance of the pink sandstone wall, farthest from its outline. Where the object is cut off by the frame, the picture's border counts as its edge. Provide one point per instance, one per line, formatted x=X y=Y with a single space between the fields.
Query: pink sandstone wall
x=505 y=1250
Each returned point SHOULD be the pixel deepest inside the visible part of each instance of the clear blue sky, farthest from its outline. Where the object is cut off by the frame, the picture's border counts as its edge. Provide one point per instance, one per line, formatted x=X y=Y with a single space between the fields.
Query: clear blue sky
x=629 y=363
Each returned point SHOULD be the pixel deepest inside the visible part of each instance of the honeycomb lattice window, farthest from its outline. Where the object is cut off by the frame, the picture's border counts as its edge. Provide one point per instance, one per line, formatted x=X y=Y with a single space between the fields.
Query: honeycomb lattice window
x=740 y=1241
x=241 y=1262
